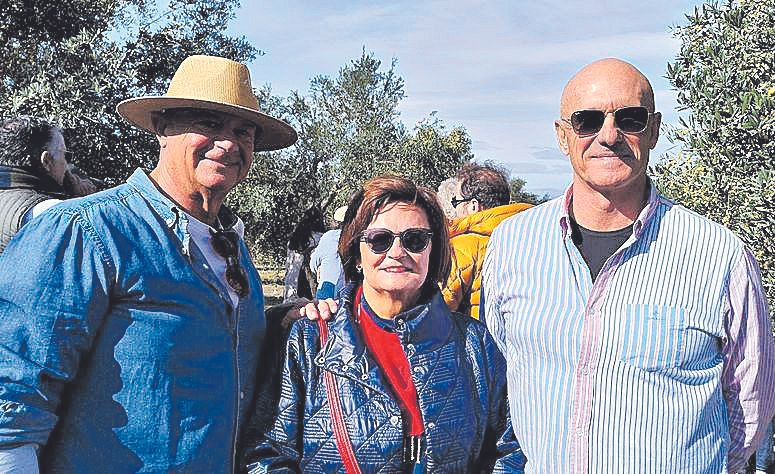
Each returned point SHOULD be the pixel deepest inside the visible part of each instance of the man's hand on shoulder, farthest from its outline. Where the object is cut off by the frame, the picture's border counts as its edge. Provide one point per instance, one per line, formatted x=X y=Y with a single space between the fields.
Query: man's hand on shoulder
x=319 y=309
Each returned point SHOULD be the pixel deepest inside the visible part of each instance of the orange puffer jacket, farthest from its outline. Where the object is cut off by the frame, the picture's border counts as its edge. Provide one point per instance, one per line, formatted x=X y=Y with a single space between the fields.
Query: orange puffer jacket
x=469 y=236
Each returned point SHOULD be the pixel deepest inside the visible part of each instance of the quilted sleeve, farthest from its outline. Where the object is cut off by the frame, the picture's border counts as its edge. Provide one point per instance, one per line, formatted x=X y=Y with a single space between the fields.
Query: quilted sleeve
x=281 y=448
x=501 y=451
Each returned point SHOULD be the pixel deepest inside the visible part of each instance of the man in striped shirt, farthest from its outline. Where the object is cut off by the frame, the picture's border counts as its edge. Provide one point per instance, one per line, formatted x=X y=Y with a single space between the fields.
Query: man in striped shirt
x=636 y=332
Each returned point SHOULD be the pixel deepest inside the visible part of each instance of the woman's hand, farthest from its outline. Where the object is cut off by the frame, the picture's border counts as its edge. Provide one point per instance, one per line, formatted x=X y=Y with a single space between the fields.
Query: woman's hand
x=319 y=309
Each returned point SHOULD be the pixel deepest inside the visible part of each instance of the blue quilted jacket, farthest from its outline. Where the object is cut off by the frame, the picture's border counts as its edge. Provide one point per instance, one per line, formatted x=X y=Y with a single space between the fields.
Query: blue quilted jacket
x=461 y=384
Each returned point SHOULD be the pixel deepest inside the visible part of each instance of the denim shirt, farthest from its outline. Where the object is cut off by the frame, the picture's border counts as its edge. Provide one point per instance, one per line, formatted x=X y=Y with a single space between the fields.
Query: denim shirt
x=120 y=350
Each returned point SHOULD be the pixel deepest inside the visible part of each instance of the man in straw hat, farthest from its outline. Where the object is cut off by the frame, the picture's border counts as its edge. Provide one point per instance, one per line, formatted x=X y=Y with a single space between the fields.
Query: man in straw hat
x=130 y=340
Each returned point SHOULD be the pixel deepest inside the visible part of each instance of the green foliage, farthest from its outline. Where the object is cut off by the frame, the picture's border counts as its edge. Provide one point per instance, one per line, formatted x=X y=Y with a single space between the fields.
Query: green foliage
x=349 y=131
x=725 y=77
x=74 y=60
x=520 y=194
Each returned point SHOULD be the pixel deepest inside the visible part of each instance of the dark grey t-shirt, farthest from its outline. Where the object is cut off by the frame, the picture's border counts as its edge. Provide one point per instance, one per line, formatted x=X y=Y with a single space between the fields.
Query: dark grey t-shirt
x=596 y=246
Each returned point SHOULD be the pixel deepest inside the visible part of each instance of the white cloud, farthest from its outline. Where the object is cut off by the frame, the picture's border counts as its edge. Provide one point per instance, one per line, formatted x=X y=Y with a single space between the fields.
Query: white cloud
x=496 y=67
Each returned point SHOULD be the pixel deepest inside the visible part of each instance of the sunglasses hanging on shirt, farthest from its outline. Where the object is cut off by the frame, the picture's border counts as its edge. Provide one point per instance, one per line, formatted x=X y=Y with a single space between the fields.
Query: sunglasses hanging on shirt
x=226 y=244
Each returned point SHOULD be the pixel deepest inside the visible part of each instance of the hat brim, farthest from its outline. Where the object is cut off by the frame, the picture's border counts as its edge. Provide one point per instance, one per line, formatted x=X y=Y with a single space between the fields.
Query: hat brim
x=275 y=134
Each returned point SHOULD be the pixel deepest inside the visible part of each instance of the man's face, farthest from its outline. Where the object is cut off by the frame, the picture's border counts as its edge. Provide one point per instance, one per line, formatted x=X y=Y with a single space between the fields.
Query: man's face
x=56 y=163
x=609 y=160
x=206 y=150
x=464 y=208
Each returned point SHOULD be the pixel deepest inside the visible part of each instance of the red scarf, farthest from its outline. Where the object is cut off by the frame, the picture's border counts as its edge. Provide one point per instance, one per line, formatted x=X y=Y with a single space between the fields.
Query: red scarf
x=387 y=350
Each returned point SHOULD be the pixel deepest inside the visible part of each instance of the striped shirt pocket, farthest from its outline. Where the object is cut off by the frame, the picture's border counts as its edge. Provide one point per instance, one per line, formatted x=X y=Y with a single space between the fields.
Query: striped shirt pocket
x=652 y=336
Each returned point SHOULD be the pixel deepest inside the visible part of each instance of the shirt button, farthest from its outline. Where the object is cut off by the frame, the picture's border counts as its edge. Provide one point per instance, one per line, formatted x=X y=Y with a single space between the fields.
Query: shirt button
x=400 y=323
x=431 y=425
x=395 y=420
x=242 y=395
x=417 y=369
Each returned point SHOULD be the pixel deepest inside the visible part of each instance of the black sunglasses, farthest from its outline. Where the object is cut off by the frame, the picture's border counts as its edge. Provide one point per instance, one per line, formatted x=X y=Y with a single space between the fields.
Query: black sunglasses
x=412 y=240
x=626 y=119
x=226 y=244
x=456 y=202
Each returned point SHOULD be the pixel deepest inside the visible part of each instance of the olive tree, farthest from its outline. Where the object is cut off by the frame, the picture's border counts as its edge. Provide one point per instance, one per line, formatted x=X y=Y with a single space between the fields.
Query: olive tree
x=725 y=78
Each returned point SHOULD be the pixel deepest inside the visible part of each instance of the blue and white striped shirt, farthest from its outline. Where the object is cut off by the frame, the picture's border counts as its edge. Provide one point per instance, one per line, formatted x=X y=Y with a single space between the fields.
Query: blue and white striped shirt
x=665 y=363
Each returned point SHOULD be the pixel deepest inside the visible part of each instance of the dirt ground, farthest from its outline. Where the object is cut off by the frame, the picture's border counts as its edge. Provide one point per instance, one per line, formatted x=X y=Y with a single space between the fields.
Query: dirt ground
x=272 y=279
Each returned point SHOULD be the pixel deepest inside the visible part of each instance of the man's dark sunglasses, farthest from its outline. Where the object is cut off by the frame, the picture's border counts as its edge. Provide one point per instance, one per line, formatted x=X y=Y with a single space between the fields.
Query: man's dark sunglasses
x=412 y=240
x=226 y=244
x=626 y=119
x=456 y=202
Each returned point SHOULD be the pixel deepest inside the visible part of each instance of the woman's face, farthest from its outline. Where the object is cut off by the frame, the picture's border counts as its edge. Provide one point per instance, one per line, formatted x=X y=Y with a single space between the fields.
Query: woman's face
x=397 y=273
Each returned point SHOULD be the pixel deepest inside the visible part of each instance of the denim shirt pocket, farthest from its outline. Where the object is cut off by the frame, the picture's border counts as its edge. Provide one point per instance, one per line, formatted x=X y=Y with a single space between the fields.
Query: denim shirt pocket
x=653 y=336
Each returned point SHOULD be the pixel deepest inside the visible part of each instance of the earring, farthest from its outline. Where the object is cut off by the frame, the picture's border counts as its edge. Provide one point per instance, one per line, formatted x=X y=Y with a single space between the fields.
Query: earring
x=359 y=268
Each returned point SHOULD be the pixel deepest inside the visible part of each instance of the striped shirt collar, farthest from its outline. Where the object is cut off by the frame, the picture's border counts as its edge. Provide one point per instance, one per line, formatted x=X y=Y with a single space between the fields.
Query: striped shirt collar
x=645 y=216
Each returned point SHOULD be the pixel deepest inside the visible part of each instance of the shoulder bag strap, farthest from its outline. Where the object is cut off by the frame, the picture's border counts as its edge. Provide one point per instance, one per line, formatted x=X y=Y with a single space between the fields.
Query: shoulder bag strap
x=343 y=443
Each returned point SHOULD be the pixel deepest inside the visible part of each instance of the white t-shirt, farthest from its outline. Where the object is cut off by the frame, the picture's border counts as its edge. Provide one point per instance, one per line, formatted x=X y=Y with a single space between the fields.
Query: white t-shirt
x=200 y=234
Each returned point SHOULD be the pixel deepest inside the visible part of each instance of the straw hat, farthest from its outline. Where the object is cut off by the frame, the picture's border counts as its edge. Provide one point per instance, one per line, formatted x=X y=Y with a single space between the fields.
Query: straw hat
x=211 y=83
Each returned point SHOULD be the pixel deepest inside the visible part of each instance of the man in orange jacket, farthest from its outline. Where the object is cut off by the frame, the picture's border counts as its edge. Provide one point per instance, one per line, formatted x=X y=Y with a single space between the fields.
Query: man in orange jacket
x=481 y=203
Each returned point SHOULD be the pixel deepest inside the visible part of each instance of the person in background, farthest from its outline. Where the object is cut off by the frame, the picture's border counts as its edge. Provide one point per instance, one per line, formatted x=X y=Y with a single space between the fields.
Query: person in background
x=325 y=263
x=636 y=332
x=299 y=281
x=131 y=340
x=32 y=170
x=481 y=202
x=77 y=183
x=446 y=191
x=395 y=382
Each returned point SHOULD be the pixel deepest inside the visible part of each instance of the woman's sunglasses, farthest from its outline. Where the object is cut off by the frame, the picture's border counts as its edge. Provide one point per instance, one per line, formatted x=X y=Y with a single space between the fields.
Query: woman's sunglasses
x=412 y=240
x=626 y=119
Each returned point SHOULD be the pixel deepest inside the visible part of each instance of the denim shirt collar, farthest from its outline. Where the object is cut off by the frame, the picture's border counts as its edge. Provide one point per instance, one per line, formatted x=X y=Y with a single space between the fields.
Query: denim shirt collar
x=173 y=215
x=641 y=222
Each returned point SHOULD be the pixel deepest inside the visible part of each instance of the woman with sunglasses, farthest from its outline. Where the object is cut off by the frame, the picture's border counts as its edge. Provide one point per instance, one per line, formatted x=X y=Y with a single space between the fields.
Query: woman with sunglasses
x=394 y=382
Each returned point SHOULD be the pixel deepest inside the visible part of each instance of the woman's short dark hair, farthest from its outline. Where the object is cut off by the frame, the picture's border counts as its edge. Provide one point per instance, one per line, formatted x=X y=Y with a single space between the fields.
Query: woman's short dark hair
x=311 y=221
x=23 y=139
x=374 y=196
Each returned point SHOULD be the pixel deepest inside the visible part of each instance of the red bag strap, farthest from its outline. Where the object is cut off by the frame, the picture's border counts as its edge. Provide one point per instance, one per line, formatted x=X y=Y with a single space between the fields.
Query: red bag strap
x=343 y=443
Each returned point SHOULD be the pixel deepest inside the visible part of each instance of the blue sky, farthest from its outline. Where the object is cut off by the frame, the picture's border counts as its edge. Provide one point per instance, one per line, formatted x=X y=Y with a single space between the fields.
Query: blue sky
x=495 y=67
